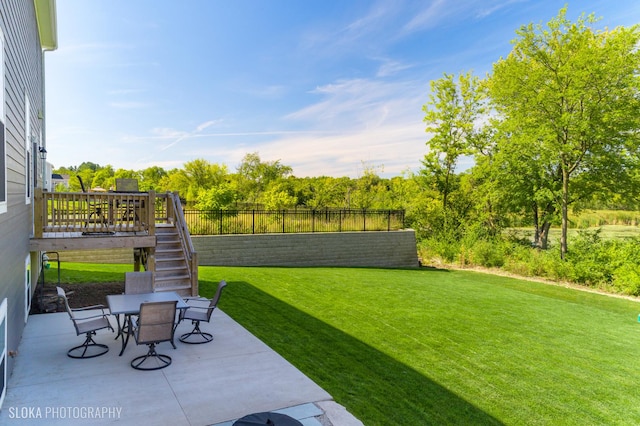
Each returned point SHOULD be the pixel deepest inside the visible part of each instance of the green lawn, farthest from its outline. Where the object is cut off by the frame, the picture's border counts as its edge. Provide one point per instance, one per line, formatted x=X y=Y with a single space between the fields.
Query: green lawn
x=606 y=232
x=416 y=347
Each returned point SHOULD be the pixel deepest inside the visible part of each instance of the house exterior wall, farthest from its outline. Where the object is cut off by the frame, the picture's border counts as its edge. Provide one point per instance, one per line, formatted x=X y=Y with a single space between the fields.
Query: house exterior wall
x=22 y=80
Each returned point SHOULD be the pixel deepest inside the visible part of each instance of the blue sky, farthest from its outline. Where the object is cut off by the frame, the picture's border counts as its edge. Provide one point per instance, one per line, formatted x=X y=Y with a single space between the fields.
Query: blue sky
x=325 y=86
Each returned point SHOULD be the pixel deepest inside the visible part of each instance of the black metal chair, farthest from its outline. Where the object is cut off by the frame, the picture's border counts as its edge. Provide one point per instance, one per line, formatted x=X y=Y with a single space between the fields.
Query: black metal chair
x=200 y=309
x=155 y=325
x=87 y=325
x=96 y=207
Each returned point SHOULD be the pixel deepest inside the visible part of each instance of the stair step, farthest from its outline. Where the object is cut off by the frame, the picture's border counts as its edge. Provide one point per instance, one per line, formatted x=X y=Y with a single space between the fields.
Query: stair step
x=168 y=237
x=168 y=258
x=171 y=263
x=161 y=278
x=171 y=267
x=168 y=249
x=171 y=272
x=168 y=242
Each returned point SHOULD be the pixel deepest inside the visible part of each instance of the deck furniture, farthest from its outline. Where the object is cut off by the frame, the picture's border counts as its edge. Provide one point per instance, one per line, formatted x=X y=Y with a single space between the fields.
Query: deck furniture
x=155 y=325
x=200 y=309
x=138 y=282
x=129 y=305
x=88 y=325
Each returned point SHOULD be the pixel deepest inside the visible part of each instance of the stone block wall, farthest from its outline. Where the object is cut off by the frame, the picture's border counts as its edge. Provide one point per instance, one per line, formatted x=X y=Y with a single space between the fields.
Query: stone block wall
x=395 y=249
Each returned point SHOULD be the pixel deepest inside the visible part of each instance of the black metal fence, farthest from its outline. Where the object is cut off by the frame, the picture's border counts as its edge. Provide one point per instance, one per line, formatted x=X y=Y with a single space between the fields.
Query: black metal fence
x=219 y=222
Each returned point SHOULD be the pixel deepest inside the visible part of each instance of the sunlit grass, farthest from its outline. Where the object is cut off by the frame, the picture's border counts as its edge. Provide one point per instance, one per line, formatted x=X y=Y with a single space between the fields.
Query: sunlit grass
x=437 y=347
x=416 y=347
x=606 y=232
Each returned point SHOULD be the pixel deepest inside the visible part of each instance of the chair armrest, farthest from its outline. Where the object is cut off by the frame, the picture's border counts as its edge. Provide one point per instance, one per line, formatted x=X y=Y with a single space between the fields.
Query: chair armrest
x=102 y=315
x=87 y=308
x=204 y=308
x=200 y=298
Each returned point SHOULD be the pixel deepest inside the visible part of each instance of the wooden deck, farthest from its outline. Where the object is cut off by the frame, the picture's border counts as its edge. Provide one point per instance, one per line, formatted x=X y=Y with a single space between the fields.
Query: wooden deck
x=60 y=241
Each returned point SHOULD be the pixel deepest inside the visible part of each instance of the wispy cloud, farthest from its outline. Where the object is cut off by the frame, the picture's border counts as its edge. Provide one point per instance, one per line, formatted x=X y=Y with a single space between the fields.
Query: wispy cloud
x=129 y=105
x=390 y=67
x=442 y=13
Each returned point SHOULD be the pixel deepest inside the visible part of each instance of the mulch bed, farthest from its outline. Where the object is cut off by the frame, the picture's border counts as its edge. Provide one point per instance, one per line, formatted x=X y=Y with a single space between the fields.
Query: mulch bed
x=79 y=295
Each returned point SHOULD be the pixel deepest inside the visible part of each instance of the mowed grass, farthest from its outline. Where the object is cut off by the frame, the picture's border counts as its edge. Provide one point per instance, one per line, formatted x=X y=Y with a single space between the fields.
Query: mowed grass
x=421 y=347
x=606 y=232
x=417 y=347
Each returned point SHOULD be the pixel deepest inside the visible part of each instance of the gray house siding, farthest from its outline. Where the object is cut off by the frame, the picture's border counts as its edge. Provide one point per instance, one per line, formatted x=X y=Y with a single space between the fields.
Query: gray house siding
x=22 y=78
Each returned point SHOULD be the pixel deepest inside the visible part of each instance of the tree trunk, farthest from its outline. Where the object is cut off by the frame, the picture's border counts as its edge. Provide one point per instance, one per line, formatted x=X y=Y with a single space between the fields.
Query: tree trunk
x=544 y=236
x=536 y=225
x=565 y=212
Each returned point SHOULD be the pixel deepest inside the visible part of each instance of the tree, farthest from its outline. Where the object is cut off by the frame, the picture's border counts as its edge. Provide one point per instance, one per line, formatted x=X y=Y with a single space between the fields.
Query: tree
x=151 y=178
x=254 y=176
x=451 y=116
x=103 y=177
x=278 y=196
x=571 y=92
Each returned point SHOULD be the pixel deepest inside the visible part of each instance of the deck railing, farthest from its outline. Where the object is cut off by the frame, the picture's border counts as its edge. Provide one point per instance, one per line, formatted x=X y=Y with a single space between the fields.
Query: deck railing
x=93 y=212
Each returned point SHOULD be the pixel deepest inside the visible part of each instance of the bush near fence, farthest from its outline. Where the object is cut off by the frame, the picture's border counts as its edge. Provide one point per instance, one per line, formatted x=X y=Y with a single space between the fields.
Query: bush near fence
x=222 y=222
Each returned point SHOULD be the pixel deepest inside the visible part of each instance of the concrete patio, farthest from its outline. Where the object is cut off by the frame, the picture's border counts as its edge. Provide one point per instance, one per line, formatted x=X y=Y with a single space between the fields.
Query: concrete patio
x=208 y=384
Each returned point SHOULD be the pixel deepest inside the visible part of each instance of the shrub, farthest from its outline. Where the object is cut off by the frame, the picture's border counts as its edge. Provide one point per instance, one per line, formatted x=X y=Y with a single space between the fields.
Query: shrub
x=626 y=279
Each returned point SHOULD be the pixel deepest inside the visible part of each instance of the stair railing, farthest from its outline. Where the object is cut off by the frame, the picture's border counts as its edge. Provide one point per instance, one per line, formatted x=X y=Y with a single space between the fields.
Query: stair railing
x=185 y=238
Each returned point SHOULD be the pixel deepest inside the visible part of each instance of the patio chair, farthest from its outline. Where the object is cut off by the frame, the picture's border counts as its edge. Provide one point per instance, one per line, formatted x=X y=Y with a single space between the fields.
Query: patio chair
x=96 y=207
x=87 y=325
x=155 y=325
x=200 y=309
x=128 y=207
x=138 y=282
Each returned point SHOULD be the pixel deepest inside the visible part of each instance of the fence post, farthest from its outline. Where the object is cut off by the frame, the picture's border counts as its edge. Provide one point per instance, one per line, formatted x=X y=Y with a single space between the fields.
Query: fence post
x=389 y=221
x=221 y=219
x=284 y=214
x=253 y=221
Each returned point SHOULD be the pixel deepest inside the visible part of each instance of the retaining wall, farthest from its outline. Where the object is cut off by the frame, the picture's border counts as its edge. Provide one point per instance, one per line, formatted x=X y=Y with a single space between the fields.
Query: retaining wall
x=395 y=249
x=364 y=249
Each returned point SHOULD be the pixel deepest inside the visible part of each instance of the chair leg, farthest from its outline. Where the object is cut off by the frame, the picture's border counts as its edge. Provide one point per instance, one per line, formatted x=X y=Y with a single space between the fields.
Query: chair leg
x=88 y=343
x=206 y=337
x=165 y=360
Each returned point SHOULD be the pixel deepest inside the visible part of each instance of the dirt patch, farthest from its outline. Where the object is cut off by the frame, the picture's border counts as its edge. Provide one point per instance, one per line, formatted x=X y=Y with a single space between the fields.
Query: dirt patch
x=79 y=295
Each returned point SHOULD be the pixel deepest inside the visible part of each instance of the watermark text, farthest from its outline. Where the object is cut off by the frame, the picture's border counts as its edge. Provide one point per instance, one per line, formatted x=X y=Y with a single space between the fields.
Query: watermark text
x=65 y=412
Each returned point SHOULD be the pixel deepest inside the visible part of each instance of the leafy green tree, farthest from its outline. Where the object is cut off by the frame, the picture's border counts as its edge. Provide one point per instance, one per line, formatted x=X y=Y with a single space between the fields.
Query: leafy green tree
x=571 y=92
x=278 y=196
x=253 y=176
x=152 y=178
x=323 y=192
x=220 y=197
x=451 y=115
x=103 y=177
x=197 y=175
x=369 y=188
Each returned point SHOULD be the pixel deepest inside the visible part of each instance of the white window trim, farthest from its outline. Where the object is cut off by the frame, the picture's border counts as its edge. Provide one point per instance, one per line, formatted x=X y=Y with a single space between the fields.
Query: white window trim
x=3 y=204
x=28 y=160
x=27 y=287
x=3 y=349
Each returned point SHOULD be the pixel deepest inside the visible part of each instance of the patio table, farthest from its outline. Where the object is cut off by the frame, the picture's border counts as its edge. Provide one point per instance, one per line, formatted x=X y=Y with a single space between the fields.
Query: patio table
x=129 y=304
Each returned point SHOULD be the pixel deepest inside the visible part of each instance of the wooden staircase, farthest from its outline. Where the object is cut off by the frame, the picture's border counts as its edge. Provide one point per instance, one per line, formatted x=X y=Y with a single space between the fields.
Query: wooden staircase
x=171 y=264
x=174 y=259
